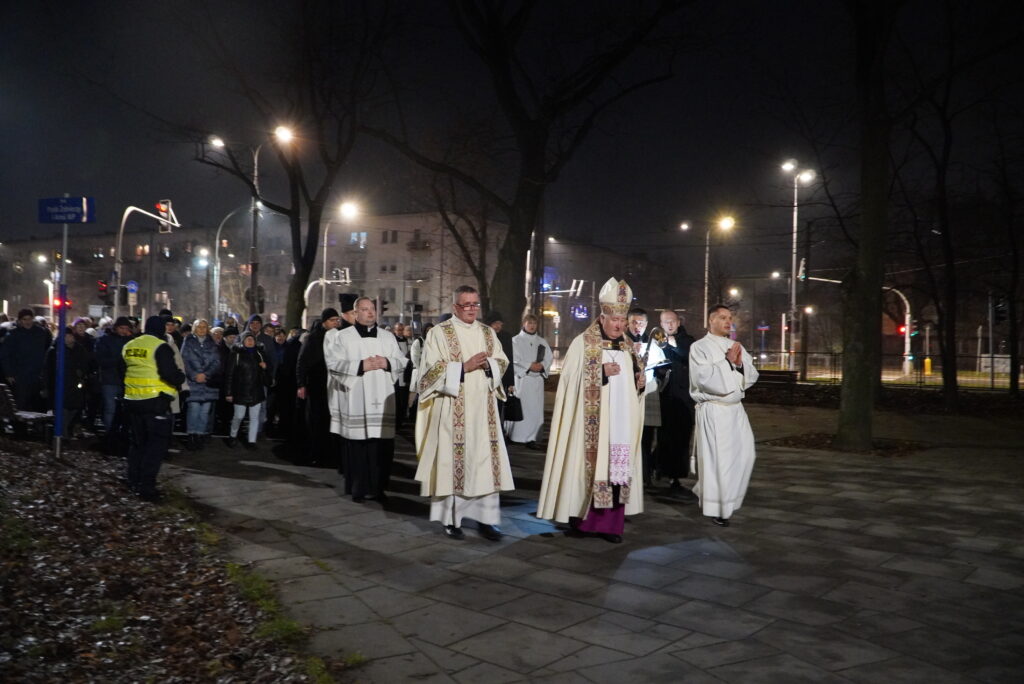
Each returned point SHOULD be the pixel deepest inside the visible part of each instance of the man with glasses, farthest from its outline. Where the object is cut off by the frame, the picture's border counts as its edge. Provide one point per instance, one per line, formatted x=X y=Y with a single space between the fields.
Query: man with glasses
x=463 y=464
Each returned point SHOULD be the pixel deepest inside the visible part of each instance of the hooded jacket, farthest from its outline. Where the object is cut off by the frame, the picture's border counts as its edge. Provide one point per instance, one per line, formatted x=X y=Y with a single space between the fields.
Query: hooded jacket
x=245 y=382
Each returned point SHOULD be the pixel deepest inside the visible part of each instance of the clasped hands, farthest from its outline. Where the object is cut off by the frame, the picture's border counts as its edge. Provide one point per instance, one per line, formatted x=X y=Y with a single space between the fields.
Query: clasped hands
x=374 y=363
x=475 y=362
x=611 y=368
x=735 y=354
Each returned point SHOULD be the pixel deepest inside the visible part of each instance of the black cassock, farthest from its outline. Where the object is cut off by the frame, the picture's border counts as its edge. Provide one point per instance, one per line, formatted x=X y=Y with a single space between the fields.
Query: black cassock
x=673 y=452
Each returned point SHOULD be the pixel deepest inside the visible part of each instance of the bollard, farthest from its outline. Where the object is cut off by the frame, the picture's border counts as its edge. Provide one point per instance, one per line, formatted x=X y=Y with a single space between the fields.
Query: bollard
x=927 y=366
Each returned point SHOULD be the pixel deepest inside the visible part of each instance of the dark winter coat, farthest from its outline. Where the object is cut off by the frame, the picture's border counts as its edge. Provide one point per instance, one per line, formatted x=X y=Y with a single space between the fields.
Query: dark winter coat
x=202 y=356
x=245 y=382
x=79 y=371
x=108 y=356
x=23 y=352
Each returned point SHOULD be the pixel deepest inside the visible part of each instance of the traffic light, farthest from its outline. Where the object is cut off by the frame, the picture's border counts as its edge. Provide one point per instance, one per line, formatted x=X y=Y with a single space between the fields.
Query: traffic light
x=999 y=309
x=103 y=290
x=383 y=307
x=59 y=304
x=913 y=329
x=163 y=208
x=902 y=330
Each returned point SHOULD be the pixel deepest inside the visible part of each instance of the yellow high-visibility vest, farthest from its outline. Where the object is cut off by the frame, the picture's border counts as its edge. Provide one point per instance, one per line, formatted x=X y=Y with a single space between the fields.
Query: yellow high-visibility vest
x=142 y=380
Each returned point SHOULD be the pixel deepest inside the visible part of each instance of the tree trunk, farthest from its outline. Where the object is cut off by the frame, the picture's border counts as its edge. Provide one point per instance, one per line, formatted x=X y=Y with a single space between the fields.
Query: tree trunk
x=862 y=317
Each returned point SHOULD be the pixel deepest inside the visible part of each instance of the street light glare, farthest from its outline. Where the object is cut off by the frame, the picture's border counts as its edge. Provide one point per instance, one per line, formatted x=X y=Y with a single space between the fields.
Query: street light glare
x=348 y=210
x=776 y=274
x=203 y=263
x=726 y=223
x=216 y=141
x=734 y=292
x=684 y=226
x=203 y=252
x=283 y=134
x=807 y=176
x=789 y=165
x=551 y=239
x=809 y=310
x=41 y=258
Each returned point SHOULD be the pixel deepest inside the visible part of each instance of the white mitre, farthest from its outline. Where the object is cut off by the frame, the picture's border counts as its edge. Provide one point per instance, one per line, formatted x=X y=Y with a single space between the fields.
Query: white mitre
x=616 y=297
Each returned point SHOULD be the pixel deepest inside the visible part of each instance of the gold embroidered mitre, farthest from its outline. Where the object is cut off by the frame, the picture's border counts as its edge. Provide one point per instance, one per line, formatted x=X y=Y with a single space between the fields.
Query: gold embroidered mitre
x=615 y=297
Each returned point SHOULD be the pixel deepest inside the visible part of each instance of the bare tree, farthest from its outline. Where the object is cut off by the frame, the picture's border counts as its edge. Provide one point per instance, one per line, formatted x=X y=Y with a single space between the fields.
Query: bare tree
x=548 y=111
x=330 y=73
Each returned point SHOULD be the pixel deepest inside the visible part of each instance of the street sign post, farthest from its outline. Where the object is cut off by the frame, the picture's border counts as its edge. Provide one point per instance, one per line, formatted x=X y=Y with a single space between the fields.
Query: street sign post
x=133 y=296
x=67 y=210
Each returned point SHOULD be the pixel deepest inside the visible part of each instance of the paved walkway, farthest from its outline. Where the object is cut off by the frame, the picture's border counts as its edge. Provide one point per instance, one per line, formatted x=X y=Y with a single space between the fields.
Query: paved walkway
x=839 y=568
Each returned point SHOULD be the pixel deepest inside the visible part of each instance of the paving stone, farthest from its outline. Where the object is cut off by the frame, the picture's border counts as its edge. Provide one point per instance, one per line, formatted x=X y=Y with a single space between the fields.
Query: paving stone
x=717 y=567
x=997 y=579
x=443 y=624
x=723 y=653
x=902 y=670
x=789 y=579
x=824 y=647
x=584 y=658
x=930 y=567
x=518 y=647
x=874 y=623
x=869 y=596
x=779 y=668
x=657 y=668
x=476 y=593
x=496 y=567
x=393 y=543
x=447 y=660
x=331 y=612
x=410 y=667
x=807 y=610
x=414 y=576
x=715 y=619
x=486 y=673
x=637 y=601
x=559 y=583
x=642 y=573
x=246 y=552
x=716 y=590
x=287 y=568
x=310 y=588
x=388 y=603
x=371 y=640
x=620 y=632
x=545 y=612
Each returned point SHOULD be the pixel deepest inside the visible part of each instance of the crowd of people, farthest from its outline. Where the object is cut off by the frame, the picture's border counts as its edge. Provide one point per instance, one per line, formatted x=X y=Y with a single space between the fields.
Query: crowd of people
x=633 y=405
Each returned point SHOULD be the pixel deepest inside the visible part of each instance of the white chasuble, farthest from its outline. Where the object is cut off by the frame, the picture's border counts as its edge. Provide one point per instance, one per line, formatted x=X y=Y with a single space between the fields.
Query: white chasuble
x=459 y=442
x=362 y=405
x=594 y=441
x=529 y=349
x=723 y=442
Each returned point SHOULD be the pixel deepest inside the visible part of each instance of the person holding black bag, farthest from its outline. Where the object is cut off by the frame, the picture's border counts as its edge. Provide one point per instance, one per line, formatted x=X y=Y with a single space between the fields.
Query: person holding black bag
x=246 y=379
x=531 y=363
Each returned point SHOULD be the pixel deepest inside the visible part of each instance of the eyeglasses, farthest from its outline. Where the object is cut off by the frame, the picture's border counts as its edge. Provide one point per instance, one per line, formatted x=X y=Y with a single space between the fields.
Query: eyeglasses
x=469 y=305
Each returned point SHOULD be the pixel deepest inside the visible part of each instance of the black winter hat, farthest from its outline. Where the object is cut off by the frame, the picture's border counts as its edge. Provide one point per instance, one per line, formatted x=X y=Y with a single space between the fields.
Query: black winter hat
x=493 y=316
x=156 y=326
x=254 y=317
x=231 y=330
x=122 y=320
x=329 y=312
x=348 y=301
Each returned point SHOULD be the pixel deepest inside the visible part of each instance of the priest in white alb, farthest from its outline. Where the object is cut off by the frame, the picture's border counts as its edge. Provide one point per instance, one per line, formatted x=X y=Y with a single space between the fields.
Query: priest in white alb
x=364 y=363
x=463 y=464
x=531 y=363
x=593 y=475
x=721 y=371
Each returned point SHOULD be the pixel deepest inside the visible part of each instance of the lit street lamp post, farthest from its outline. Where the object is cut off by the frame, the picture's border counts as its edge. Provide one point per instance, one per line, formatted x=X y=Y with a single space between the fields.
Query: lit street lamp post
x=348 y=211
x=216 y=263
x=799 y=176
x=725 y=223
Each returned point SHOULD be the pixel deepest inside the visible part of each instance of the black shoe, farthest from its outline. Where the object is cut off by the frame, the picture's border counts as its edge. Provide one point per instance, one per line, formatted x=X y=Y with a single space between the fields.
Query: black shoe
x=489 y=532
x=230 y=442
x=681 y=493
x=358 y=499
x=611 y=538
x=251 y=446
x=575 y=533
x=721 y=522
x=453 y=532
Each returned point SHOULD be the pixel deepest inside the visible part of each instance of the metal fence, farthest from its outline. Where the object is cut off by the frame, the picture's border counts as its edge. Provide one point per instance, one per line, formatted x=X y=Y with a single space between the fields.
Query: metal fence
x=972 y=371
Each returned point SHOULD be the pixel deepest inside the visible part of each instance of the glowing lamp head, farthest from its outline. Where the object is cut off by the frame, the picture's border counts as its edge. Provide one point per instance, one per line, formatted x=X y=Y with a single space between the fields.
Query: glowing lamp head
x=726 y=223
x=807 y=176
x=684 y=226
x=283 y=134
x=734 y=292
x=217 y=141
x=776 y=274
x=348 y=210
x=789 y=165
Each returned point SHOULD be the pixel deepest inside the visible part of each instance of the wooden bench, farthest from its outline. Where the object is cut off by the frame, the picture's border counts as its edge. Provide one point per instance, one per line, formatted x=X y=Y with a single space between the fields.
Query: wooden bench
x=782 y=378
x=19 y=420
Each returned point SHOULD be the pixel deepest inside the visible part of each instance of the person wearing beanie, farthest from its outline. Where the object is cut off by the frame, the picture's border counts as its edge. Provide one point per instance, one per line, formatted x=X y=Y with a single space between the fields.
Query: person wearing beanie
x=224 y=411
x=152 y=380
x=246 y=378
x=265 y=342
x=108 y=355
x=21 y=357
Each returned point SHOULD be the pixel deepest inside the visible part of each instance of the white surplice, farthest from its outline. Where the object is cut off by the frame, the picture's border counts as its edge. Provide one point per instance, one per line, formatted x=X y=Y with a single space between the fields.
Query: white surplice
x=459 y=443
x=529 y=385
x=362 y=406
x=723 y=441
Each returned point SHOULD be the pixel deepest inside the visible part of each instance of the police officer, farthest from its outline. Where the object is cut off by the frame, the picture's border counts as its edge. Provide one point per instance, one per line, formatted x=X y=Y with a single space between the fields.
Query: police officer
x=152 y=380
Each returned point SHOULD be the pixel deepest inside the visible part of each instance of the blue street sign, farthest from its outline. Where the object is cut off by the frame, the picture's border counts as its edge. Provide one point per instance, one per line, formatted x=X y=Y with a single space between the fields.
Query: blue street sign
x=67 y=210
x=132 y=286
x=764 y=328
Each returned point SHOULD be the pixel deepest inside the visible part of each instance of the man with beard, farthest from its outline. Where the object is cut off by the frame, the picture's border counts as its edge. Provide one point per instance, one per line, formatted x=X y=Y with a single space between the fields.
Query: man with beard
x=673 y=452
x=593 y=476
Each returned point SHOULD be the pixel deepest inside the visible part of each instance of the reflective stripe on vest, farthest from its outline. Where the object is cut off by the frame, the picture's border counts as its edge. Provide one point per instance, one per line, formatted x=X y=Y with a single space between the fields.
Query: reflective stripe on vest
x=142 y=380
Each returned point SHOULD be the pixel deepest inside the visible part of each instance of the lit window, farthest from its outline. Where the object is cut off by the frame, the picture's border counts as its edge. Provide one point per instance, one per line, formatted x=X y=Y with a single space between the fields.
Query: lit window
x=224 y=243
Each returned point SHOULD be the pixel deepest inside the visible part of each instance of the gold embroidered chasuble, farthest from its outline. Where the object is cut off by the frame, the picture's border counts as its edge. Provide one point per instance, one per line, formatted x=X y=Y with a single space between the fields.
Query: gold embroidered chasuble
x=458 y=435
x=576 y=471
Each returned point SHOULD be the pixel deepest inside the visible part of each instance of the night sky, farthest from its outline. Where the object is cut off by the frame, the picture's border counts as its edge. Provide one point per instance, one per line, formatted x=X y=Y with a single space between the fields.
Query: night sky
x=78 y=77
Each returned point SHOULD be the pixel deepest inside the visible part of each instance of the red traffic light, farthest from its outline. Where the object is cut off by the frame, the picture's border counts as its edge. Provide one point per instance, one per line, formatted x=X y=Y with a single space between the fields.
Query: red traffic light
x=902 y=329
x=58 y=303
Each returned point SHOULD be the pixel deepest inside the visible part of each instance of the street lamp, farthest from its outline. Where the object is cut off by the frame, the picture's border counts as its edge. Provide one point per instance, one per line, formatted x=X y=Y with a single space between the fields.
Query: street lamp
x=348 y=212
x=283 y=135
x=725 y=223
x=805 y=176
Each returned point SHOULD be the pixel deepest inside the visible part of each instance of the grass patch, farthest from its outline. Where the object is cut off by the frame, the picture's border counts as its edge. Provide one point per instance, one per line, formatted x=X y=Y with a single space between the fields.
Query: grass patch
x=15 y=536
x=259 y=591
x=208 y=536
x=322 y=565
x=114 y=621
x=283 y=631
x=316 y=670
x=354 y=659
x=175 y=500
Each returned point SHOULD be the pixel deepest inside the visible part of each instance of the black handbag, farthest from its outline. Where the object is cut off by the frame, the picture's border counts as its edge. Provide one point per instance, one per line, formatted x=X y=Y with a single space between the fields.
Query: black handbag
x=513 y=409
